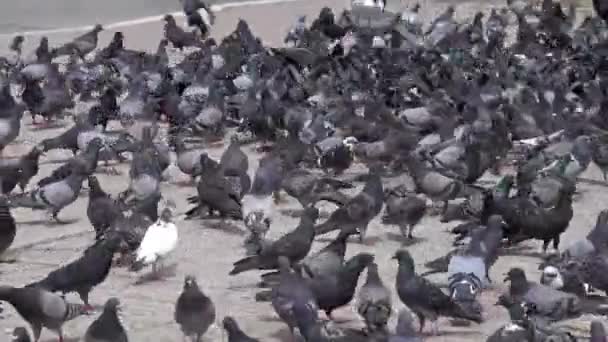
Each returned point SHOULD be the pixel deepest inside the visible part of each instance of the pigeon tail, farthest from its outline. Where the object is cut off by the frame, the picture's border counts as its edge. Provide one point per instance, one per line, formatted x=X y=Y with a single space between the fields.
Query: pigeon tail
x=25 y=200
x=73 y=310
x=263 y=296
x=246 y=264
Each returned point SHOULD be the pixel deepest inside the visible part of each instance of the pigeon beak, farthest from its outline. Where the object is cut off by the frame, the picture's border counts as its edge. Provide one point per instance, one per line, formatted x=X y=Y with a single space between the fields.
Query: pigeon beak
x=507 y=278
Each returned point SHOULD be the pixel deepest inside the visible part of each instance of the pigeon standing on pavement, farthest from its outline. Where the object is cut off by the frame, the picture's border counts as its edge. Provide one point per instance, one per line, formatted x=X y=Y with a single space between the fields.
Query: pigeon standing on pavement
x=294 y=245
x=41 y=308
x=424 y=298
x=10 y=116
x=549 y=303
x=355 y=215
x=102 y=210
x=107 y=327
x=158 y=242
x=84 y=273
x=53 y=196
x=194 y=311
x=19 y=171
x=374 y=301
x=8 y=228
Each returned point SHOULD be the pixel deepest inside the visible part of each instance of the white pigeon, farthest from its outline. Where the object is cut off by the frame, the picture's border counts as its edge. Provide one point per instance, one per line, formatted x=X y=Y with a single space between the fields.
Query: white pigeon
x=158 y=242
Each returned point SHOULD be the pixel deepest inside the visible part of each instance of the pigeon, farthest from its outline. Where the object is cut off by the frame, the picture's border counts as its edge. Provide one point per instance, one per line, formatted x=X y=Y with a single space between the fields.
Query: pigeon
x=158 y=242
x=84 y=273
x=291 y=291
x=102 y=210
x=20 y=334
x=177 y=36
x=107 y=327
x=85 y=161
x=188 y=160
x=325 y=262
x=81 y=45
x=19 y=171
x=355 y=215
x=194 y=311
x=425 y=299
x=598 y=332
x=235 y=334
x=41 y=308
x=214 y=192
x=8 y=227
x=294 y=245
x=405 y=331
x=54 y=196
x=549 y=303
x=308 y=188
x=10 y=116
x=596 y=239
x=404 y=210
x=374 y=303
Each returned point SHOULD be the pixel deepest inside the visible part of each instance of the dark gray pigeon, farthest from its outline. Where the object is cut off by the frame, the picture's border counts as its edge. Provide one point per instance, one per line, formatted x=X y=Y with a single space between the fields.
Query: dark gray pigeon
x=41 y=309
x=10 y=116
x=355 y=215
x=548 y=303
x=107 y=327
x=235 y=334
x=294 y=245
x=424 y=298
x=20 y=334
x=81 y=45
x=102 y=210
x=19 y=171
x=194 y=311
x=374 y=301
x=8 y=227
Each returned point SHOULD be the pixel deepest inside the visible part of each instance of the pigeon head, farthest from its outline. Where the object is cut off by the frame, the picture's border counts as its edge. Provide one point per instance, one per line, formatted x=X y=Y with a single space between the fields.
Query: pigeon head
x=496 y=221
x=404 y=258
x=20 y=334
x=552 y=277
x=98 y=28
x=112 y=305
x=16 y=44
x=190 y=282
x=515 y=274
x=230 y=324
x=166 y=215
x=93 y=182
x=598 y=333
x=169 y=19
x=360 y=260
x=94 y=144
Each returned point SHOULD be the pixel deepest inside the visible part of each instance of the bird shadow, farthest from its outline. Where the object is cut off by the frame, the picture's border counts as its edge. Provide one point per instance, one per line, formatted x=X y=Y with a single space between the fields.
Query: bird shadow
x=463 y=333
x=405 y=242
x=65 y=339
x=162 y=274
x=48 y=126
x=47 y=222
x=227 y=227
x=297 y=213
x=283 y=335
x=55 y=161
x=521 y=250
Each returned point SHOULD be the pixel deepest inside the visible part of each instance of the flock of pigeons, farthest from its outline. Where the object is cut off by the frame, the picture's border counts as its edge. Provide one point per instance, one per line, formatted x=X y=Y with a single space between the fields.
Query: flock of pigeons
x=438 y=104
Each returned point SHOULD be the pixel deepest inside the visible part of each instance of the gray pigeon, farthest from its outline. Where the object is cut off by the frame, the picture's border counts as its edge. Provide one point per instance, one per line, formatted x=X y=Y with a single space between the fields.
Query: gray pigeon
x=548 y=303
x=194 y=311
x=235 y=334
x=374 y=301
x=188 y=160
x=405 y=331
x=10 y=116
x=290 y=292
x=404 y=210
x=20 y=334
x=107 y=327
x=355 y=215
x=54 y=196
x=41 y=309
x=424 y=298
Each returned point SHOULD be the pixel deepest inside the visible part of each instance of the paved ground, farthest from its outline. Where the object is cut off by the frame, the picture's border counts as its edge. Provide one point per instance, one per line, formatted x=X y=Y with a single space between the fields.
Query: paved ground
x=208 y=252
